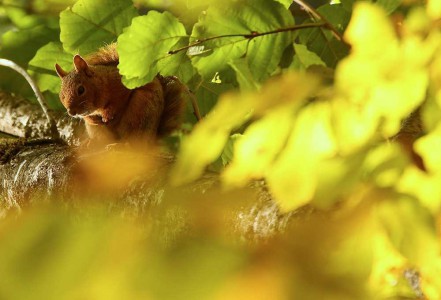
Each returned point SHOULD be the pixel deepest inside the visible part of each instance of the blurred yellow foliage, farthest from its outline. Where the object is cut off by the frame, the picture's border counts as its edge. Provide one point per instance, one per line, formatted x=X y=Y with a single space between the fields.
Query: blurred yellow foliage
x=332 y=149
x=374 y=216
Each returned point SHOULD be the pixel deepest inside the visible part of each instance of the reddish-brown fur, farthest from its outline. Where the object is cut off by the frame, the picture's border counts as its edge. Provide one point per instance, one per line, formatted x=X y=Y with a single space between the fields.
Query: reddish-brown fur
x=94 y=92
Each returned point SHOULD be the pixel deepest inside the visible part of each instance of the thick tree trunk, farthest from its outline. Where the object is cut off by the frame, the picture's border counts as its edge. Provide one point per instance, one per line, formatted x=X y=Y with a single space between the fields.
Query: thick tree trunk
x=35 y=170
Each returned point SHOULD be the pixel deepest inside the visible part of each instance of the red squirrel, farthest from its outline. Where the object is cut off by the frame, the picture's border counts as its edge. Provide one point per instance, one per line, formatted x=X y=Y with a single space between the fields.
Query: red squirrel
x=111 y=111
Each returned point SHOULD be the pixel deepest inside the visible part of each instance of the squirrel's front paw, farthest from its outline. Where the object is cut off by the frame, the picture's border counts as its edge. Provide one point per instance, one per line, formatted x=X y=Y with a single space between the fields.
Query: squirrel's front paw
x=107 y=116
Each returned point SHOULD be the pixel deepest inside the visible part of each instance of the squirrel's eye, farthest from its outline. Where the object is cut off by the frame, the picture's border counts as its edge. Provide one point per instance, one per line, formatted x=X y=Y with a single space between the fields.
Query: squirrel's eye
x=80 y=90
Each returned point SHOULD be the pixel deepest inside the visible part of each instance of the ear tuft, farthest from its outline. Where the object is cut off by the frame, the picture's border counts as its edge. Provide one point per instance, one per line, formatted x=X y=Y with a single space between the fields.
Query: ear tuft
x=61 y=73
x=80 y=64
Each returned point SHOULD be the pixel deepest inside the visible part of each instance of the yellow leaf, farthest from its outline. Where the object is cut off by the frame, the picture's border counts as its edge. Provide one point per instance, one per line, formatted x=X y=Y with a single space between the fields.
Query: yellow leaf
x=429 y=147
x=434 y=9
x=258 y=147
x=293 y=177
x=425 y=187
x=353 y=127
x=388 y=82
x=209 y=136
x=369 y=27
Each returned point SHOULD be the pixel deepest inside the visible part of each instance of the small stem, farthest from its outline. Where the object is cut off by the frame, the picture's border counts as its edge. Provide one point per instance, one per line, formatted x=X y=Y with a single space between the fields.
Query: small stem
x=195 y=105
x=249 y=35
x=10 y=64
x=319 y=17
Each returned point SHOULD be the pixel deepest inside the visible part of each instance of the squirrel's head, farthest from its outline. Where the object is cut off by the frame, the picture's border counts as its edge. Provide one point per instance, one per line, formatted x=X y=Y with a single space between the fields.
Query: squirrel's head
x=78 y=91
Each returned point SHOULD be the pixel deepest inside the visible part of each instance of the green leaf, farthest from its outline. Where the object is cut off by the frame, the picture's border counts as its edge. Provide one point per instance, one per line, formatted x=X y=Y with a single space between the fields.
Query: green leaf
x=20 y=18
x=389 y=5
x=20 y=46
x=89 y=25
x=347 y=4
x=228 y=153
x=321 y=41
x=243 y=74
x=286 y=3
x=144 y=48
x=42 y=66
x=208 y=93
x=263 y=53
x=178 y=64
x=305 y=58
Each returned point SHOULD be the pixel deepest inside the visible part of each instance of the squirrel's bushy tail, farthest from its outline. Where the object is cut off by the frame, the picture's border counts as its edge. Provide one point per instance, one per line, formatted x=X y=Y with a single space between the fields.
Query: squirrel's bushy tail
x=175 y=94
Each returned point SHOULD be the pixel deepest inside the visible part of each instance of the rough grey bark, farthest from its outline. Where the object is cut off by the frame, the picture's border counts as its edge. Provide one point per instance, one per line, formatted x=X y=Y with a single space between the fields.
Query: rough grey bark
x=21 y=118
x=35 y=172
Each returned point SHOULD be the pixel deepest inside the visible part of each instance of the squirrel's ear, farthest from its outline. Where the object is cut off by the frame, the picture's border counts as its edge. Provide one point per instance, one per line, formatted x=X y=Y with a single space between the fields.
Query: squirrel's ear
x=80 y=63
x=61 y=73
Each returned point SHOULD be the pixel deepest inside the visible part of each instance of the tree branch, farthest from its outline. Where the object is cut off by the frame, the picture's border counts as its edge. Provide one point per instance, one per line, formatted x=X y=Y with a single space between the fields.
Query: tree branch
x=250 y=36
x=21 y=118
x=52 y=125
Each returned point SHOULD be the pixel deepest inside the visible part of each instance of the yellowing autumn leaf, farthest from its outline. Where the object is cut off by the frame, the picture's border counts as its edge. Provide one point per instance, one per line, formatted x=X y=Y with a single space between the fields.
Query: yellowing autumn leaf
x=388 y=78
x=370 y=30
x=257 y=149
x=293 y=177
x=209 y=136
x=434 y=9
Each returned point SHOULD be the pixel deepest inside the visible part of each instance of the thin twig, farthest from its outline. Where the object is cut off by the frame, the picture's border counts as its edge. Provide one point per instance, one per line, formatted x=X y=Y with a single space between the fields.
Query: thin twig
x=10 y=64
x=195 y=105
x=319 y=17
x=249 y=35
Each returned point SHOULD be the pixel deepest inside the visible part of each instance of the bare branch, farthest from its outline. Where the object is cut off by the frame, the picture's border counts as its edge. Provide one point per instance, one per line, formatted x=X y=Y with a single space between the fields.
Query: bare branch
x=10 y=64
x=251 y=35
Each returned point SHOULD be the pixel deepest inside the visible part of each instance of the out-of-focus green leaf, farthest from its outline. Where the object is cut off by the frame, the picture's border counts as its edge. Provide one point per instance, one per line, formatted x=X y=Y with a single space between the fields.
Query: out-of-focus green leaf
x=144 y=49
x=89 y=25
x=21 y=18
x=347 y=4
x=286 y=3
x=228 y=153
x=42 y=66
x=389 y=5
x=52 y=6
x=196 y=270
x=263 y=53
x=20 y=46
